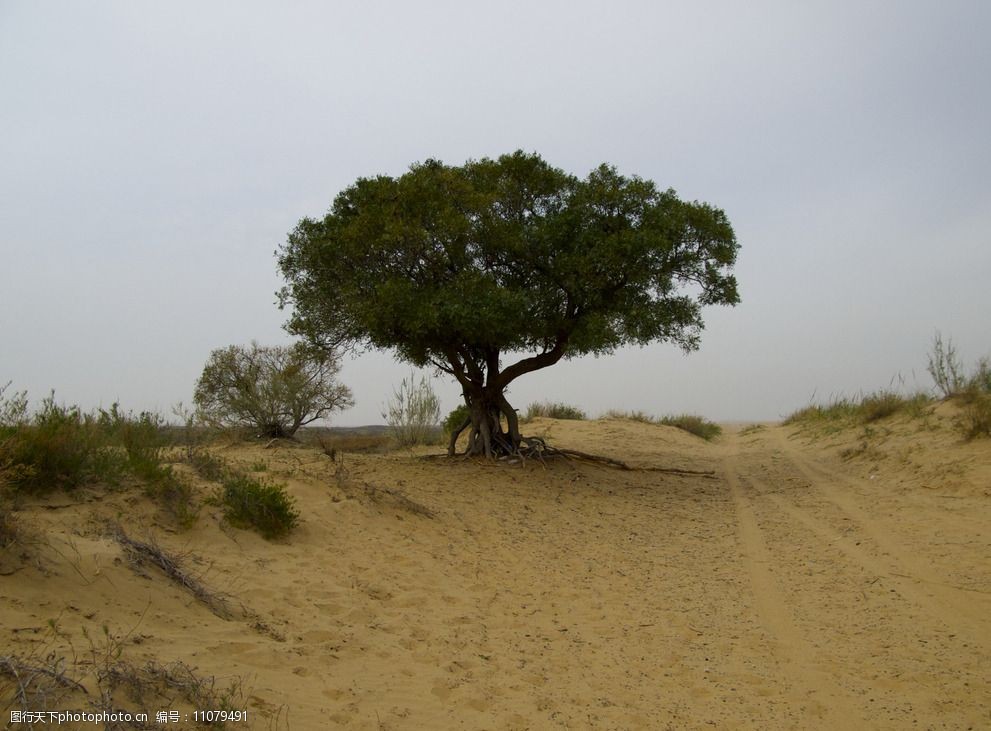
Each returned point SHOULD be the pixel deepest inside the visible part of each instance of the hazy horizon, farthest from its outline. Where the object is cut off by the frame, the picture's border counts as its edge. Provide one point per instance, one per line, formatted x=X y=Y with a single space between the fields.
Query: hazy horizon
x=155 y=156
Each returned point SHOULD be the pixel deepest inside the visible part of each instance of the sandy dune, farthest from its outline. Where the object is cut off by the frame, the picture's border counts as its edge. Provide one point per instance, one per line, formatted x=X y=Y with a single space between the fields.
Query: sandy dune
x=795 y=588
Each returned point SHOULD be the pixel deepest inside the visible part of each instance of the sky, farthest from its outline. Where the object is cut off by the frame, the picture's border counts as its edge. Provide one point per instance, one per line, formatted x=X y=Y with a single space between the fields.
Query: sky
x=153 y=157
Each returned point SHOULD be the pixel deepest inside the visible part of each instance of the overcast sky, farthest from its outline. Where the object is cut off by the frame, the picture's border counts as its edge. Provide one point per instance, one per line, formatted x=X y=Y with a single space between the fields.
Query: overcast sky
x=154 y=155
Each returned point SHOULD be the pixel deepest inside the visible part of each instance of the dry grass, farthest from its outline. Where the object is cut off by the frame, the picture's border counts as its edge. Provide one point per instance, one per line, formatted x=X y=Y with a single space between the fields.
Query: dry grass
x=691 y=423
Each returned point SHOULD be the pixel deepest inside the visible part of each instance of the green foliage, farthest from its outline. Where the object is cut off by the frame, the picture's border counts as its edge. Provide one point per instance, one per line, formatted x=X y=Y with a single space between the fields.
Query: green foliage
x=274 y=390
x=61 y=447
x=458 y=416
x=413 y=412
x=693 y=424
x=456 y=266
x=550 y=410
x=262 y=506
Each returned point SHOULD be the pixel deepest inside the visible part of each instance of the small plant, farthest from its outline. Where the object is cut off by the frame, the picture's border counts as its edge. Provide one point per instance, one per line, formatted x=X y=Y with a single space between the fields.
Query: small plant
x=945 y=367
x=265 y=507
x=13 y=408
x=553 y=410
x=413 y=412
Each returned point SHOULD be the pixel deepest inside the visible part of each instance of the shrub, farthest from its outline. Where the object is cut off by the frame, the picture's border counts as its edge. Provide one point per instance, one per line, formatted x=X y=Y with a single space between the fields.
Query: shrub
x=693 y=424
x=265 y=507
x=59 y=448
x=980 y=381
x=549 y=410
x=274 y=390
x=976 y=419
x=13 y=408
x=458 y=416
x=206 y=465
x=413 y=412
x=945 y=366
x=880 y=404
x=62 y=447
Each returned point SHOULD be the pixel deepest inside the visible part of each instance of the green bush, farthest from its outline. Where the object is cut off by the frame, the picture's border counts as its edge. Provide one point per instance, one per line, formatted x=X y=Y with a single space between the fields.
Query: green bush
x=59 y=448
x=549 y=410
x=456 y=418
x=264 y=507
x=693 y=424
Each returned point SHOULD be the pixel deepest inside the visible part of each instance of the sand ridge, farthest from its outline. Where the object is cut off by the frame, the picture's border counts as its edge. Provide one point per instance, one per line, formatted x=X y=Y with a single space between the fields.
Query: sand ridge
x=798 y=588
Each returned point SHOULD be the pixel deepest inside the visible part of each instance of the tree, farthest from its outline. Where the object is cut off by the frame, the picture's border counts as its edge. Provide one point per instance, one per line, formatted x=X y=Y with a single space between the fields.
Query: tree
x=274 y=389
x=460 y=267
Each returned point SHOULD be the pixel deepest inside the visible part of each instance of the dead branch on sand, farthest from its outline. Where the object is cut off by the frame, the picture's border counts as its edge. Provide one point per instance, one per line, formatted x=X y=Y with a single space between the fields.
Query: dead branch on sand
x=139 y=552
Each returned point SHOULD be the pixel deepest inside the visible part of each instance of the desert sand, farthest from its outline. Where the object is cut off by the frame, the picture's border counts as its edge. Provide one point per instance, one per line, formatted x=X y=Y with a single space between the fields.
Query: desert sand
x=814 y=581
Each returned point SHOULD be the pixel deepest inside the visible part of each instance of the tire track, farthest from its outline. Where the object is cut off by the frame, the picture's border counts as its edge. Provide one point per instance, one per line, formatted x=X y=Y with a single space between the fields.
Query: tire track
x=961 y=609
x=791 y=646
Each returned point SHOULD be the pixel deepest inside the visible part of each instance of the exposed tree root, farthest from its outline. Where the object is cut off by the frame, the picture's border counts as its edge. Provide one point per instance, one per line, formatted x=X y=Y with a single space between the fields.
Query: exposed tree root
x=536 y=448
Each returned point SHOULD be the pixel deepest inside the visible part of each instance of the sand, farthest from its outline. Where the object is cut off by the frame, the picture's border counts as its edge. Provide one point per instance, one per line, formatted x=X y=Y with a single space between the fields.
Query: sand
x=816 y=580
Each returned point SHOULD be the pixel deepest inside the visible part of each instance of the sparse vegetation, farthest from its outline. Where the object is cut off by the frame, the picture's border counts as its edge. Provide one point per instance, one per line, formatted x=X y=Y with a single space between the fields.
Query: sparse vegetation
x=692 y=423
x=207 y=465
x=98 y=678
x=972 y=391
x=360 y=443
x=413 y=412
x=976 y=419
x=61 y=447
x=866 y=409
x=553 y=410
x=945 y=367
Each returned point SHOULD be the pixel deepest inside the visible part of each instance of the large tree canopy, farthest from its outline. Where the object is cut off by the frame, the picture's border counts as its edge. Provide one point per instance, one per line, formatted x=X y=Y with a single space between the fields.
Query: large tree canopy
x=458 y=267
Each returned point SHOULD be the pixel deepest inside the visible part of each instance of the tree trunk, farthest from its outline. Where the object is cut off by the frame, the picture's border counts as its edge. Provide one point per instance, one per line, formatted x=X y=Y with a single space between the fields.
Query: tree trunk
x=494 y=425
